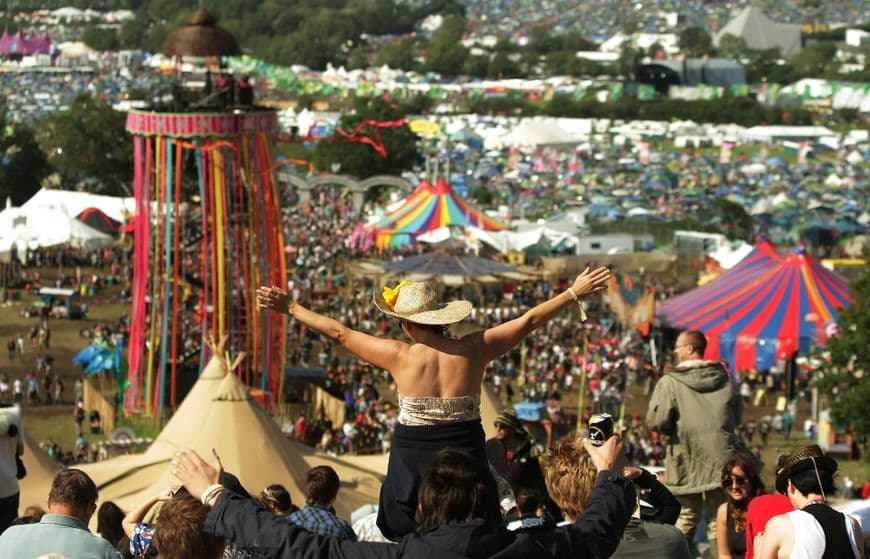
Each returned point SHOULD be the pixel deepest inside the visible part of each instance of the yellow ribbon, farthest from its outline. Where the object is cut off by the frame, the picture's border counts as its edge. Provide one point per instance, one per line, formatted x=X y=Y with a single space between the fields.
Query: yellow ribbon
x=392 y=293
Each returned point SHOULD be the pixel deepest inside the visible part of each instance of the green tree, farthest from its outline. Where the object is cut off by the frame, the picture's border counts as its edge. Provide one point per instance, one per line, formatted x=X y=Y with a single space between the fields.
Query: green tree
x=629 y=58
x=540 y=41
x=574 y=42
x=361 y=160
x=100 y=39
x=22 y=163
x=397 y=55
x=732 y=46
x=475 y=66
x=815 y=60
x=358 y=59
x=695 y=41
x=88 y=141
x=446 y=54
x=502 y=66
x=844 y=381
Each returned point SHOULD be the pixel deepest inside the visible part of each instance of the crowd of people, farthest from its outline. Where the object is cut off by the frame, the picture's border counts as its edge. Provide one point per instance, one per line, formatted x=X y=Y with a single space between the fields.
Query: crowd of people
x=594 y=504
x=527 y=489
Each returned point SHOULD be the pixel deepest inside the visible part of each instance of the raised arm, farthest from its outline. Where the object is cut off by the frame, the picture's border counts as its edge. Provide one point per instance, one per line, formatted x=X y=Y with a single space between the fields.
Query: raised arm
x=500 y=339
x=386 y=354
x=135 y=516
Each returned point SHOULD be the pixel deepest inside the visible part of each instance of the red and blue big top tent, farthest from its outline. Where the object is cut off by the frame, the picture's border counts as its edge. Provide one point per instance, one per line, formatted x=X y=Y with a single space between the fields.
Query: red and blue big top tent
x=766 y=308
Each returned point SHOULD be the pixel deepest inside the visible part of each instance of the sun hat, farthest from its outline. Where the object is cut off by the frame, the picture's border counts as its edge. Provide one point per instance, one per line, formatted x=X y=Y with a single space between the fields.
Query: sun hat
x=803 y=457
x=418 y=302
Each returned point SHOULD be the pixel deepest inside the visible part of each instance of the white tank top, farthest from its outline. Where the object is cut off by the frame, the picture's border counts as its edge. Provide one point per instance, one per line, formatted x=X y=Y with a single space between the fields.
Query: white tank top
x=809 y=539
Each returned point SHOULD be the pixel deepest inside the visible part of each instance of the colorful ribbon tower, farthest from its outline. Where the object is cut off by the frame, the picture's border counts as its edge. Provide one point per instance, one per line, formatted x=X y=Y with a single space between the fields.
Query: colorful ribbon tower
x=206 y=234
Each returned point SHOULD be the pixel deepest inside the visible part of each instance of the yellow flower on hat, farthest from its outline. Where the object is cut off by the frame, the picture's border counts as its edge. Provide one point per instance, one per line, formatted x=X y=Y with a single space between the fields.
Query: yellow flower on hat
x=392 y=293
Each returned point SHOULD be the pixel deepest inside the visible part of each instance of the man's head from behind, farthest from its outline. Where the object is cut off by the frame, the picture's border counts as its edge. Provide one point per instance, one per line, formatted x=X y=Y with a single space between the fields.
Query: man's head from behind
x=178 y=531
x=569 y=474
x=321 y=486
x=528 y=502
x=457 y=488
x=73 y=493
x=691 y=344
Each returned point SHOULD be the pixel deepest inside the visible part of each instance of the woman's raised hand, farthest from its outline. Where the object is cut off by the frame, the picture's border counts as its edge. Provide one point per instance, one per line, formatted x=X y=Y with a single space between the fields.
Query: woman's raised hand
x=591 y=281
x=273 y=299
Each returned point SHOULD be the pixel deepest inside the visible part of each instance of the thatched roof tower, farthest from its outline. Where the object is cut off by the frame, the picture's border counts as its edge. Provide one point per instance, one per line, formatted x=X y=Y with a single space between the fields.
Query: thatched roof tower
x=200 y=37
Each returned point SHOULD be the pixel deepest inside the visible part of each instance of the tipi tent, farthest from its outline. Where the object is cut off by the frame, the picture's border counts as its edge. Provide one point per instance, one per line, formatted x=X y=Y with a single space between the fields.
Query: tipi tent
x=219 y=413
x=429 y=207
x=765 y=317
x=125 y=475
x=761 y=33
x=252 y=447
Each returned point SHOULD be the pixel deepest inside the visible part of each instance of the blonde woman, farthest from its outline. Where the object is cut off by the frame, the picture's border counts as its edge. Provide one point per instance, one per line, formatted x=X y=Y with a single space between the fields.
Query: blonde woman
x=438 y=378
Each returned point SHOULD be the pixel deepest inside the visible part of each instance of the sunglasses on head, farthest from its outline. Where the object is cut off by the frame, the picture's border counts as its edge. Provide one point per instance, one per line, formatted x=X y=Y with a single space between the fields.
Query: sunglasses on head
x=728 y=480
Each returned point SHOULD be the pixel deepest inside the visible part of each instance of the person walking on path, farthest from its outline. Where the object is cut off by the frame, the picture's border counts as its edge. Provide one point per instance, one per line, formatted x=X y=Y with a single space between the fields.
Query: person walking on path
x=696 y=404
x=437 y=377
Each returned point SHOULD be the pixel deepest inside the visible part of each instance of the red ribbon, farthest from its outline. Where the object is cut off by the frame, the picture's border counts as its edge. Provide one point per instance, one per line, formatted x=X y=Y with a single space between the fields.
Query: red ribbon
x=375 y=139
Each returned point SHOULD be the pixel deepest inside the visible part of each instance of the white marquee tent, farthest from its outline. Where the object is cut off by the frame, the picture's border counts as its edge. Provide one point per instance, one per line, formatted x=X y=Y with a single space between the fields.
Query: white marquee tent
x=43 y=227
x=76 y=202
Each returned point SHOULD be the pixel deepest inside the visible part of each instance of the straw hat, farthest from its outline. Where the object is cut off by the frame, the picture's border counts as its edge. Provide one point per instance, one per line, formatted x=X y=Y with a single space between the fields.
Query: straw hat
x=805 y=457
x=418 y=302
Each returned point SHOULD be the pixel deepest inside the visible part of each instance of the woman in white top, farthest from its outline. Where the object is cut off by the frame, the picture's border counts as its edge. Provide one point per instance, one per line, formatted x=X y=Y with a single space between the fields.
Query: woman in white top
x=438 y=378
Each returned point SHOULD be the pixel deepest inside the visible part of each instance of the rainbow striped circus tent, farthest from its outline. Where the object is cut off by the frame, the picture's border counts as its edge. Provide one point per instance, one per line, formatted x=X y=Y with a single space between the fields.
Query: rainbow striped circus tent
x=429 y=207
x=764 y=309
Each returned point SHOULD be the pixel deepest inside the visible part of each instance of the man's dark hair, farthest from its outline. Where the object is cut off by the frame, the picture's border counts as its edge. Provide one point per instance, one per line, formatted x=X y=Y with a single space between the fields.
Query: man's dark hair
x=73 y=488
x=277 y=499
x=697 y=340
x=321 y=486
x=528 y=501
x=179 y=534
x=805 y=481
x=457 y=488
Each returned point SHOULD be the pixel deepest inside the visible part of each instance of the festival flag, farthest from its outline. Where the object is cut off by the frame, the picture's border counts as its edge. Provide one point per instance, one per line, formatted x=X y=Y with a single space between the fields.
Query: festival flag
x=643 y=311
x=634 y=307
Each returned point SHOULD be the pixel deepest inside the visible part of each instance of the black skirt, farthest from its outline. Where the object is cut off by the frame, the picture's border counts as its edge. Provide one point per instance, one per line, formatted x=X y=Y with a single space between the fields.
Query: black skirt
x=413 y=449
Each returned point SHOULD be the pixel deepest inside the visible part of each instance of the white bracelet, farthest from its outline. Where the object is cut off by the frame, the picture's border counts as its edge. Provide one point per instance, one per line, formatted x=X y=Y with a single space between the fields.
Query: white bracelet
x=577 y=300
x=209 y=493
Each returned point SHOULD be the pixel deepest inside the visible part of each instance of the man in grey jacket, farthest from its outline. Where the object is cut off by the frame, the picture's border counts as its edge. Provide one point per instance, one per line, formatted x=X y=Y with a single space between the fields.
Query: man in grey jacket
x=698 y=407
